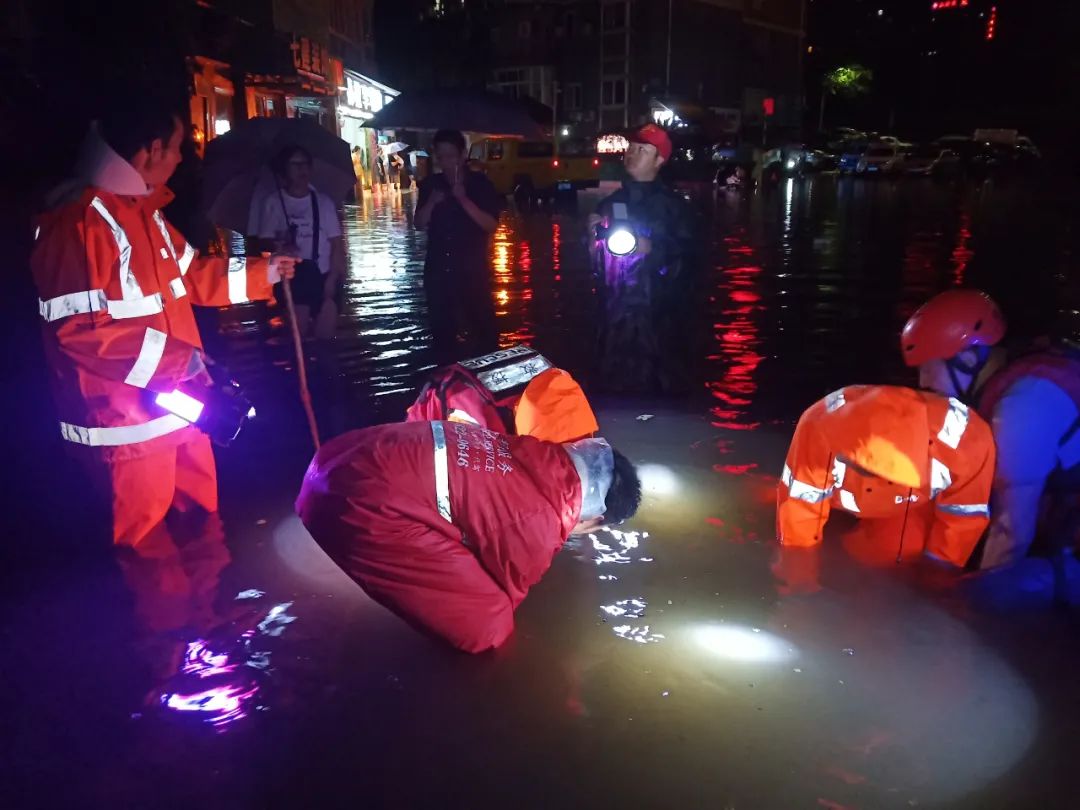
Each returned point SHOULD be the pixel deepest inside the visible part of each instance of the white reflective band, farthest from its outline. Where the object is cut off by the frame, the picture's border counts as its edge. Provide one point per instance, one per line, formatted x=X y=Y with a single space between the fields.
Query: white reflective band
x=178 y=288
x=125 y=434
x=940 y=478
x=956 y=422
x=966 y=509
x=835 y=401
x=495 y=357
x=37 y=232
x=500 y=379
x=847 y=501
x=185 y=258
x=149 y=356
x=82 y=303
x=160 y=221
x=442 y=472
x=457 y=415
x=78 y=303
x=804 y=492
x=238 y=280
x=137 y=308
x=129 y=287
x=839 y=470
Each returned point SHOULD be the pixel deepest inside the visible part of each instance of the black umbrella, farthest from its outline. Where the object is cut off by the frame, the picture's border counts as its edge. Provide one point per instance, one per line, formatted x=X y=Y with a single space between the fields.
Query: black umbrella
x=466 y=110
x=236 y=169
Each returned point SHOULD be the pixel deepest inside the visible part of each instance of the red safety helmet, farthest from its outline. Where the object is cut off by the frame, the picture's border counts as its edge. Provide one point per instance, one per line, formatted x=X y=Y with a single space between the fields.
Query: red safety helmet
x=949 y=323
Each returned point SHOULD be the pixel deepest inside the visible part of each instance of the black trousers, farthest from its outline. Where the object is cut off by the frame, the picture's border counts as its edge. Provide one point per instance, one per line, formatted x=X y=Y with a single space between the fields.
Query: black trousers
x=461 y=302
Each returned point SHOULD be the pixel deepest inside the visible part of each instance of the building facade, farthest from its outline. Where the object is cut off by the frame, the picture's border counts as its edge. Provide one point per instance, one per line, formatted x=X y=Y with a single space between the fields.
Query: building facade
x=615 y=64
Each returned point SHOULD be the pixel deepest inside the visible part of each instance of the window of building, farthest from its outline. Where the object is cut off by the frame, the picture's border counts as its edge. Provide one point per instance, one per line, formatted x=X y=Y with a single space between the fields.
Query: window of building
x=613 y=92
x=572 y=97
x=615 y=15
x=615 y=46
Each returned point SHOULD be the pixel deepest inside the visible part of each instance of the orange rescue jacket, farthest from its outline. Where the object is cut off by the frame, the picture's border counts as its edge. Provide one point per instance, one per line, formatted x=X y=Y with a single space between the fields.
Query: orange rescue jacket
x=116 y=284
x=876 y=451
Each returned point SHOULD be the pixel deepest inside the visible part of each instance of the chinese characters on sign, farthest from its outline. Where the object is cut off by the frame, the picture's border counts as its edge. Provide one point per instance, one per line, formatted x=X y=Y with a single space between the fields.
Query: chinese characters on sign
x=363 y=96
x=311 y=57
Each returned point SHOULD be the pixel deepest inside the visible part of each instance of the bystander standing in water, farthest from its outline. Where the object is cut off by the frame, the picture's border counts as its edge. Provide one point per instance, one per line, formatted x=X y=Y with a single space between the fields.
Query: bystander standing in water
x=643 y=336
x=459 y=209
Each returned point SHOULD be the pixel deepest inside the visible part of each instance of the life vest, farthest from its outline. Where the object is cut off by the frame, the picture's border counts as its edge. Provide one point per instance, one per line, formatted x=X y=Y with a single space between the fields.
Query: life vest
x=515 y=390
x=1060 y=365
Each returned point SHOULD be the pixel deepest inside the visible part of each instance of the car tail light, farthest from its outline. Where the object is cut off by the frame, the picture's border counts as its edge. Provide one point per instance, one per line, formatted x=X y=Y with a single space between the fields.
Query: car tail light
x=596 y=161
x=555 y=163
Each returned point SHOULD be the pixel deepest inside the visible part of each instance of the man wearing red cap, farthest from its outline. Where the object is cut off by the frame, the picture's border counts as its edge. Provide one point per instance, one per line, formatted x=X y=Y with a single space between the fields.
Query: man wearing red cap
x=645 y=286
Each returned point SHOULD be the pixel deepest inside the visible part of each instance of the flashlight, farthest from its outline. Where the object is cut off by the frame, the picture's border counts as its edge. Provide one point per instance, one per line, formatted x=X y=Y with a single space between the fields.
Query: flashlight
x=619 y=237
x=220 y=411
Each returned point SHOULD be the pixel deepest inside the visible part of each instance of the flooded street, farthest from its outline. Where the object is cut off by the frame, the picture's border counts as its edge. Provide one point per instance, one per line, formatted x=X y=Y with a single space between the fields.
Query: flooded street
x=654 y=666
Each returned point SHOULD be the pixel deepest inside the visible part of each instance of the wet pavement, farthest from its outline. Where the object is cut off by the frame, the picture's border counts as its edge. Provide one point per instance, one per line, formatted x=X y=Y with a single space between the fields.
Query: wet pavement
x=656 y=666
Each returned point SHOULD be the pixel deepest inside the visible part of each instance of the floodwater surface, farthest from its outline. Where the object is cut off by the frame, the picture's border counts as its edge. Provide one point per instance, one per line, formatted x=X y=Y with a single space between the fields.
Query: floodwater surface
x=656 y=665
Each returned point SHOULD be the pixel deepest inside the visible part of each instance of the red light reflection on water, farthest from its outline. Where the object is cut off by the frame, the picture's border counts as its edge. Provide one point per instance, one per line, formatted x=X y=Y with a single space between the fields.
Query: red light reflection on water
x=737 y=339
x=962 y=254
x=511 y=259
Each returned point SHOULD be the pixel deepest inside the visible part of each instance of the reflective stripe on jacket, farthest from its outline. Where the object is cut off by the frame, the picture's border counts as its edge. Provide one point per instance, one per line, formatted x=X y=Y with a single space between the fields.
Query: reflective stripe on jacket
x=875 y=451
x=116 y=283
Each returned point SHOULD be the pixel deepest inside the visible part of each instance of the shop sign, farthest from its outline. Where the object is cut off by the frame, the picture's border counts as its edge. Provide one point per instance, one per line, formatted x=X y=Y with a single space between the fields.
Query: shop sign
x=311 y=57
x=362 y=95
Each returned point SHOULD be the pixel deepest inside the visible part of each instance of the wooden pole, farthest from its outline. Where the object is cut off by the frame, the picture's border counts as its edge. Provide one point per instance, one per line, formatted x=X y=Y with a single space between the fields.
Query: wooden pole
x=301 y=366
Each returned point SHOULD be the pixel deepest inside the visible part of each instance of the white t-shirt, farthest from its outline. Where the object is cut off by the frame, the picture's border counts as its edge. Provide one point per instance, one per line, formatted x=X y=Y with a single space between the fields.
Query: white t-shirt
x=273 y=223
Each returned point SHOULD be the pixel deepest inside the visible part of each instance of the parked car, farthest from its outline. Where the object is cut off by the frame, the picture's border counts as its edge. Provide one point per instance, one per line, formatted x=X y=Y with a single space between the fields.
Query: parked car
x=881 y=158
x=850 y=157
x=931 y=160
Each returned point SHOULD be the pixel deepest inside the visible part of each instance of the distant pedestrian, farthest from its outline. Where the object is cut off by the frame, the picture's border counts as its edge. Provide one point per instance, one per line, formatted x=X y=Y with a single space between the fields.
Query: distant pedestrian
x=396 y=168
x=459 y=209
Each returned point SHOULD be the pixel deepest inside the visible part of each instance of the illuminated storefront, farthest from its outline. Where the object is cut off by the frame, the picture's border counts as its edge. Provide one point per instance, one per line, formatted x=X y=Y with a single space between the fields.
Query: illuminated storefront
x=359 y=98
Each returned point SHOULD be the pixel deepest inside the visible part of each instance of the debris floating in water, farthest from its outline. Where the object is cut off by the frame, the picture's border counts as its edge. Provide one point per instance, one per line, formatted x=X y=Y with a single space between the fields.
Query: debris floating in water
x=664 y=694
x=608 y=577
x=260 y=522
x=645 y=417
x=797 y=669
x=848 y=651
x=250 y=593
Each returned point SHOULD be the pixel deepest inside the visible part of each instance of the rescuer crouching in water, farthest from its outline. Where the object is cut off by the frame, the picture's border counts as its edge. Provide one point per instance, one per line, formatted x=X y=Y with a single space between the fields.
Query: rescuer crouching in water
x=448 y=525
x=1031 y=399
x=915 y=466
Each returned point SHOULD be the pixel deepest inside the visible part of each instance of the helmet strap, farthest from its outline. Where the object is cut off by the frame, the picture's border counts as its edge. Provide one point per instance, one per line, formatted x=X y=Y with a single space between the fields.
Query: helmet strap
x=956 y=367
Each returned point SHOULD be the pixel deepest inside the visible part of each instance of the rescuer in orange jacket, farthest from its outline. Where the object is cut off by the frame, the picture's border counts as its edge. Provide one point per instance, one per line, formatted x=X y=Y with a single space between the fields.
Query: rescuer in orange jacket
x=116 y=284
x=1031 y=401
x=924 y=460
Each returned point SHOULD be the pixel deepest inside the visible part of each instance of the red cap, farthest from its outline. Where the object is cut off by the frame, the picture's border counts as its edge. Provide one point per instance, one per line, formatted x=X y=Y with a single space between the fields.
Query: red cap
x=654 y=136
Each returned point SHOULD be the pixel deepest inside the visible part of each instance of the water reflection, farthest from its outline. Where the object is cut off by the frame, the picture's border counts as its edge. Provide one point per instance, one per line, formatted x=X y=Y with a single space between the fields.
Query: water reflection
x=221 y=676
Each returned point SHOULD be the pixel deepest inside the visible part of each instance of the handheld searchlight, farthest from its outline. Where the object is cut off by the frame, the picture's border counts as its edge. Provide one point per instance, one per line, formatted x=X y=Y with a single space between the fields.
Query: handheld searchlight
x=618 y=235
x=220 y=410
